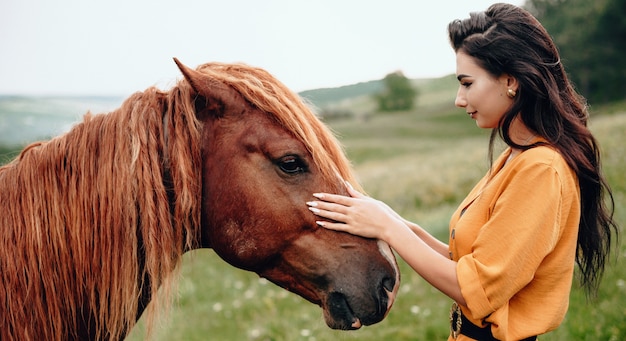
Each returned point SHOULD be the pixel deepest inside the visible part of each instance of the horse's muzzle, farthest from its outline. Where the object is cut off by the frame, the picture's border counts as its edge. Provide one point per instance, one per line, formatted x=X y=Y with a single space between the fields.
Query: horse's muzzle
x=341 y=314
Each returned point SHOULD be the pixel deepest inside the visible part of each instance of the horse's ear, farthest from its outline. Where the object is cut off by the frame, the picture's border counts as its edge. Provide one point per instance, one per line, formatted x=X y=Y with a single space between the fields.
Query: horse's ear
x=214 y=97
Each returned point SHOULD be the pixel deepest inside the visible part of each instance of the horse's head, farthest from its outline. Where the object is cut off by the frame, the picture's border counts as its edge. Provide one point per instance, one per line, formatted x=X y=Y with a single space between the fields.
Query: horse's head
x=259 y=169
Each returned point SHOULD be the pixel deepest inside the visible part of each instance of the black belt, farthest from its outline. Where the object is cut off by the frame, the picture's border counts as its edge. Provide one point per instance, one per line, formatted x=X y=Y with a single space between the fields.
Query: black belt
x=461 y=325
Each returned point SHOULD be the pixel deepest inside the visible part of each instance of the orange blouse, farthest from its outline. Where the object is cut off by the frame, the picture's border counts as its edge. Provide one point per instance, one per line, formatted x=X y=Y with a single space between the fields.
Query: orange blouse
x=514 y=241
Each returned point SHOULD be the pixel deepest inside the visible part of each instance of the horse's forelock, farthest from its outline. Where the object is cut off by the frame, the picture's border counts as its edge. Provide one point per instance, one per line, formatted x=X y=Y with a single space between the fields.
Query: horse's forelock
x=267 y=93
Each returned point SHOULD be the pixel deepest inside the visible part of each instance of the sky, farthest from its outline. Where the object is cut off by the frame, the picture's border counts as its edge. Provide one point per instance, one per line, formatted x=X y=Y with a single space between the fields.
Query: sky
x=117 y=47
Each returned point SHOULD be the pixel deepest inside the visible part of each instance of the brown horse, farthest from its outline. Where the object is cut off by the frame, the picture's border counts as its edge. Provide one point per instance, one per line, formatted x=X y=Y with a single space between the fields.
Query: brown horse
x=94 y=222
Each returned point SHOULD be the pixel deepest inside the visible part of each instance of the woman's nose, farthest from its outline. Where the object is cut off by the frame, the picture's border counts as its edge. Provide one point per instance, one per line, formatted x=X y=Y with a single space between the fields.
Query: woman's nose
x=460 y=101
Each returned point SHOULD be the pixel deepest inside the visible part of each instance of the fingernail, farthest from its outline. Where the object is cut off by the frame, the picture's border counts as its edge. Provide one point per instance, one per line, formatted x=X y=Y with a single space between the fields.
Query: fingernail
x=318 y=195
x=320 y=223
x=314 y=210
x=311 y=203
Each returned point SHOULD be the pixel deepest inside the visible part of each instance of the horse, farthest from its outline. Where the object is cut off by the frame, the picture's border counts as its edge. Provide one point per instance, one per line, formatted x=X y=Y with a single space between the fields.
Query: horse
x=94 y=222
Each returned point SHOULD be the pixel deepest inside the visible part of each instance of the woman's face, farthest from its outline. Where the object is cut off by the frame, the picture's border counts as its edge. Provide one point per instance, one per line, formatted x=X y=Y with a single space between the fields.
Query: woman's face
x=483 y=96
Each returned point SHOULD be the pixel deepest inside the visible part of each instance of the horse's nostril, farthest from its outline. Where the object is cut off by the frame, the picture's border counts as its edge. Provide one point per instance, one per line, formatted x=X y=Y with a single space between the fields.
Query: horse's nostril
x=389 y=283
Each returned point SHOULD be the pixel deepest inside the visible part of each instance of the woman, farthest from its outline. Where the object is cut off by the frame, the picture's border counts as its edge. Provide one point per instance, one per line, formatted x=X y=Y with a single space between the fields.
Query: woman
x=514 y=240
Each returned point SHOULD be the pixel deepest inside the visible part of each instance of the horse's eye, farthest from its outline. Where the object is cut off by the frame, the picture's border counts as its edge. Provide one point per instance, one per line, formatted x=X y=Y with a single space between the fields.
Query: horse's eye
x=292 y=165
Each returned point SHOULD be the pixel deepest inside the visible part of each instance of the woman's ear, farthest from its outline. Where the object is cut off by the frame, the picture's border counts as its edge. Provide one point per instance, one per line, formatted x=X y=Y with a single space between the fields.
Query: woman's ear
x=511 y=82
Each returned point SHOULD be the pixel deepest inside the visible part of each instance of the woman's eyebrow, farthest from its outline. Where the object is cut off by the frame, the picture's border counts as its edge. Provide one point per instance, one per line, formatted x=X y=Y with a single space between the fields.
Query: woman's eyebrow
x=461 y=76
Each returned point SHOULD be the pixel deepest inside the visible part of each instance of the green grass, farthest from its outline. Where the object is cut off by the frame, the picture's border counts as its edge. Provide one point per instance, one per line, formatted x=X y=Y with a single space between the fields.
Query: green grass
x=422 y=164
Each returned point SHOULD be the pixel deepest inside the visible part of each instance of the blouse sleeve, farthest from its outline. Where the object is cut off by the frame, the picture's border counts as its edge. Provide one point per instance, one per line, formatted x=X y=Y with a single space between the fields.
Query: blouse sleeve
x=523 y=227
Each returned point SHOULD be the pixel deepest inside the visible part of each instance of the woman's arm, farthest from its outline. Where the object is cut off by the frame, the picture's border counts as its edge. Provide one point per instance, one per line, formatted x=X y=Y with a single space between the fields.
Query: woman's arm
x=435 y=268
x=434 y=243
x=431 y=241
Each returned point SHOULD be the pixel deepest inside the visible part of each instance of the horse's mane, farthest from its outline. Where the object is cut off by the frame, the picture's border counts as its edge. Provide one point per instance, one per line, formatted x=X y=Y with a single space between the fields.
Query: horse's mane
x=75 y=210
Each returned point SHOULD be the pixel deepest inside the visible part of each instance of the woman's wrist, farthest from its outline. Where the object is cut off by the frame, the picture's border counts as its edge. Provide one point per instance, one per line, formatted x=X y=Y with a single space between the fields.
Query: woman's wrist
x=397 y=233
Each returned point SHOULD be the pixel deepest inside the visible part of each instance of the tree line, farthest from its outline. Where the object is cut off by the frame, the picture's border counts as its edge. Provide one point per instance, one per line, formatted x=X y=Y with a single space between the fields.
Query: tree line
x=591 y=37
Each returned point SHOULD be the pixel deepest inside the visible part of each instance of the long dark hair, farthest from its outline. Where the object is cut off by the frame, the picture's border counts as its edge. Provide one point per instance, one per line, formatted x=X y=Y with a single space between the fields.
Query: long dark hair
x=506 y=39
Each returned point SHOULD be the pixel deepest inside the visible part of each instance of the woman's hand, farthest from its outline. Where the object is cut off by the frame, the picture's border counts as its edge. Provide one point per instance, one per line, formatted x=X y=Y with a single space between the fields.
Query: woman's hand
x=370 y=218
x=357 y=214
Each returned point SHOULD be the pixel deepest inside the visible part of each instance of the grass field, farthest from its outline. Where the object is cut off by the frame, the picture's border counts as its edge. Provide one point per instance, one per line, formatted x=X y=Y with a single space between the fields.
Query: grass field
x=422 y=164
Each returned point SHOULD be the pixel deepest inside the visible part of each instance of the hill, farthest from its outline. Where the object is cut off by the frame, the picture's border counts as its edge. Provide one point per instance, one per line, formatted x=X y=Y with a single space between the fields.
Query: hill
x=356 y=100
x=328 y=96
x=24 y=119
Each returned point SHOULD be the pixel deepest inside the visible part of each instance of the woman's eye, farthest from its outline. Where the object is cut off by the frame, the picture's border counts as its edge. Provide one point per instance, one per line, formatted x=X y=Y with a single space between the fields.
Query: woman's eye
x=292 y=165
x=466 y=84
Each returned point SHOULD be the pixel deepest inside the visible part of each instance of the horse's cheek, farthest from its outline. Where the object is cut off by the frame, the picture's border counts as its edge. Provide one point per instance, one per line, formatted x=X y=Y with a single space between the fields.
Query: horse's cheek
x=236 y=244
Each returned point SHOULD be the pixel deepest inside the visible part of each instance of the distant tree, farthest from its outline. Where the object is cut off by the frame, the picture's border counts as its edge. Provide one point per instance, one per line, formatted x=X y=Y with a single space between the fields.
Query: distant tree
x=398 y=93
x=609 y=38
x=591 y=37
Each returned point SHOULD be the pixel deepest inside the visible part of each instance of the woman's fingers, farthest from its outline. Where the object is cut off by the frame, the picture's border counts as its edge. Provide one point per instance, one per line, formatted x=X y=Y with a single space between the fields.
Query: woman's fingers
x=328 y=210
x=357 y=214
x=340 y=210
x=328 y=206
x=334 y=198
x=353 y=192
x=333 y=226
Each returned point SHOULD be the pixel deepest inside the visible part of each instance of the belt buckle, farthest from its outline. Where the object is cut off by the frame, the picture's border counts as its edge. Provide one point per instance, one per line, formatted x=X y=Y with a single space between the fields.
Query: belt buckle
x=455 y=320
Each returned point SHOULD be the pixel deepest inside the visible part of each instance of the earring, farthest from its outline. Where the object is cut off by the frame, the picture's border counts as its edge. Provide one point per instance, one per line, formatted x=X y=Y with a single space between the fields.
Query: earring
x=511 y=93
